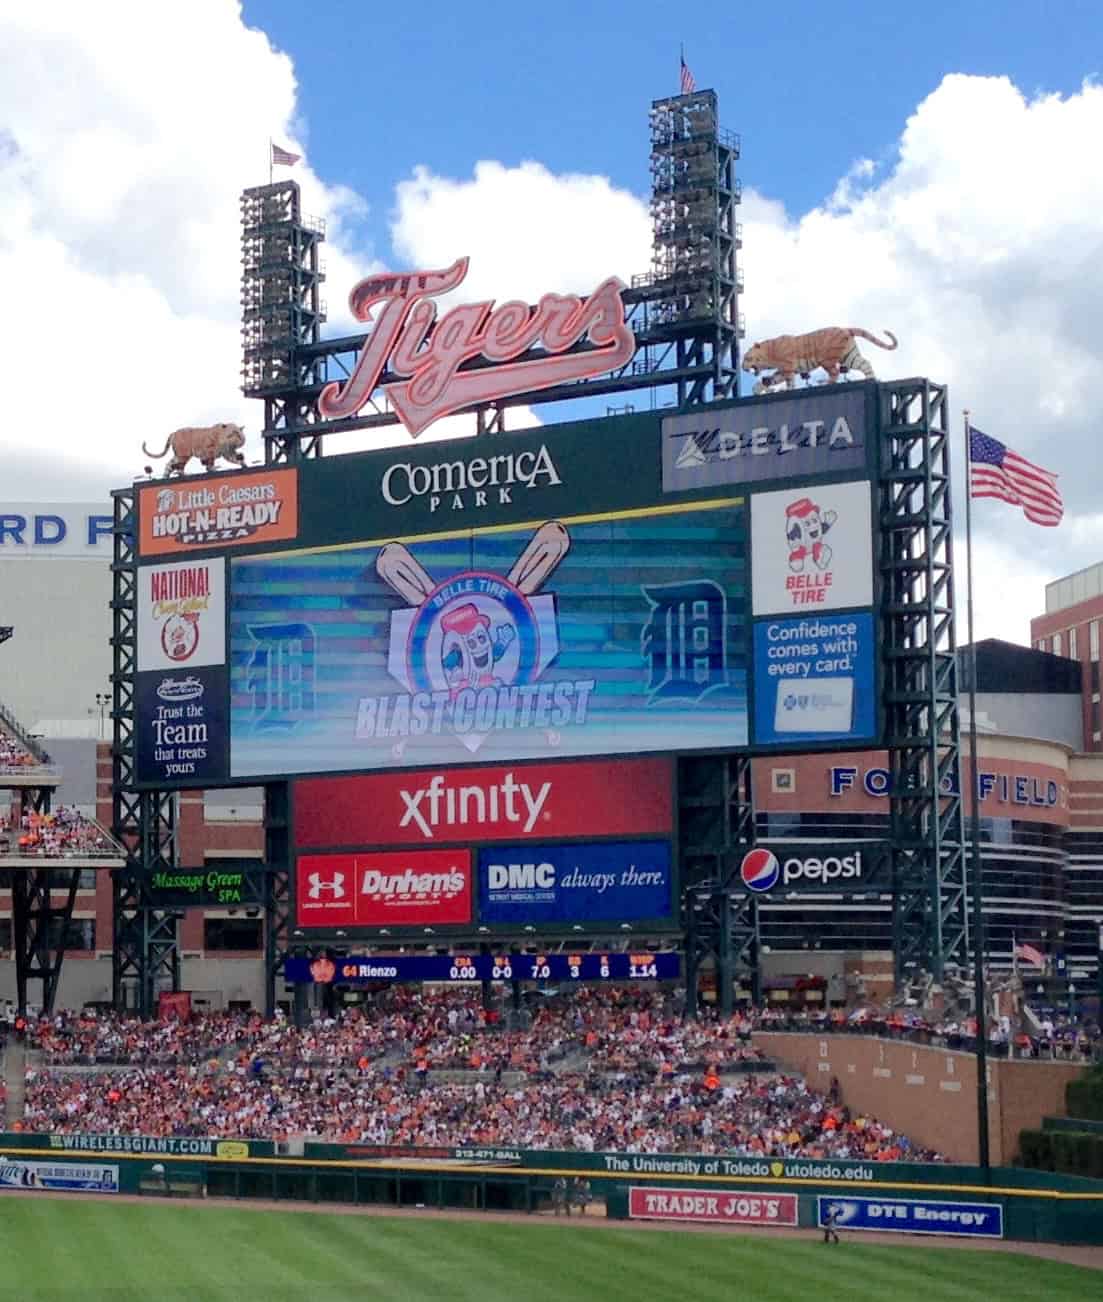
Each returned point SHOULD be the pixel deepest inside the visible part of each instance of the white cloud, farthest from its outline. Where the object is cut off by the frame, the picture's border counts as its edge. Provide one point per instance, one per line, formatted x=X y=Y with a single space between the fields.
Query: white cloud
x=981 y=249
x=527 y=230
x=120 y=170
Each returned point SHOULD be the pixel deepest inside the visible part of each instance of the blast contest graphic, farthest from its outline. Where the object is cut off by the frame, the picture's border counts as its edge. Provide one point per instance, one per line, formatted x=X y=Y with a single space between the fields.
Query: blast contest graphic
x=470 y=650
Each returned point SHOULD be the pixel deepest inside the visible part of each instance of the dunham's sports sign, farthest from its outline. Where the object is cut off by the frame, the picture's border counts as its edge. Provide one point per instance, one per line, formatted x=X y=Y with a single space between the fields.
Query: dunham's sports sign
x=477 y=352
x=399 y=889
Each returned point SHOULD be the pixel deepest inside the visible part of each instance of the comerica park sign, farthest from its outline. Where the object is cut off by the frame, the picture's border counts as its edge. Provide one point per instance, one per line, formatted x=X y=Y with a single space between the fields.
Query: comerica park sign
x=477 y=352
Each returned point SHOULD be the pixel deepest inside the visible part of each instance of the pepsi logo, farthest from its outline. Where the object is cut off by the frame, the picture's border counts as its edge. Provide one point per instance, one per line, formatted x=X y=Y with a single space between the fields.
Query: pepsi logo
x=760 y=870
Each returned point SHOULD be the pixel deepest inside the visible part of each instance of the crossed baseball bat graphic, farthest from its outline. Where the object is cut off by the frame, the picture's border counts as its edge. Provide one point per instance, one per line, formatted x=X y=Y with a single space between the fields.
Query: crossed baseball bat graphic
x=403 y=574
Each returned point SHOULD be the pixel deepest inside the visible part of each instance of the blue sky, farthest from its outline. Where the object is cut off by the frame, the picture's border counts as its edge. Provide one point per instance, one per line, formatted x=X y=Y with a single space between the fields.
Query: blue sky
x=934 y=170
x=810 y=86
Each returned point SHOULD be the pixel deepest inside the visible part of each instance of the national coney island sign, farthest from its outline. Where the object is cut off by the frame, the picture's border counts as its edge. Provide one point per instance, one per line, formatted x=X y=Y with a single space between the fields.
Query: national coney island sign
x=475 y=353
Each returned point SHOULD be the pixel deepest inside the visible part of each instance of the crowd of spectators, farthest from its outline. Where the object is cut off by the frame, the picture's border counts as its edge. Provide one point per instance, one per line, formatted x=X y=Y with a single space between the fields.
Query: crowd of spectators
x=14 y=755
x=1047 y=1034
x=763 y=1115
x=601 y=1069
x=62 y=833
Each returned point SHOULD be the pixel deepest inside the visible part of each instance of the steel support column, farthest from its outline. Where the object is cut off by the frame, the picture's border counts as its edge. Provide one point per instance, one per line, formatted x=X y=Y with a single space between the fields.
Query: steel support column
x=145 y=951
x=715 y=830
x=920 y=693
x=277 y=893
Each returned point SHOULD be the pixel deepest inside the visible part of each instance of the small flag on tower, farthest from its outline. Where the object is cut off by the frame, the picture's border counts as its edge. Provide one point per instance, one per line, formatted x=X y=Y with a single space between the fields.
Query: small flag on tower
x=996 y=471
x=283 y=157
x=688 y=83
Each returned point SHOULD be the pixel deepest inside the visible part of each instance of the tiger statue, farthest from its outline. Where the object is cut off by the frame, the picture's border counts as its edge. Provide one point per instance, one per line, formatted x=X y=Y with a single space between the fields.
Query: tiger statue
x=206 y=442
x=834 y=348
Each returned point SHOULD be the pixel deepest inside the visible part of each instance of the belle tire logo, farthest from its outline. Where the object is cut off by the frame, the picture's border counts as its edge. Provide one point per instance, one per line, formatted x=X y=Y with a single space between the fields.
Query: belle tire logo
x=760 y=870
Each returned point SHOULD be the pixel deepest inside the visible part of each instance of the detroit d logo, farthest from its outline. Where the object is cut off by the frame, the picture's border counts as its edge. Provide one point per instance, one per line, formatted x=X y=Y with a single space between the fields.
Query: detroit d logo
x=685 y=640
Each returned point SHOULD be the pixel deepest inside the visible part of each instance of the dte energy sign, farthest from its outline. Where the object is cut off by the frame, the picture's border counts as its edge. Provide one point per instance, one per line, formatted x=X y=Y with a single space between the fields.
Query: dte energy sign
x=914 y=1216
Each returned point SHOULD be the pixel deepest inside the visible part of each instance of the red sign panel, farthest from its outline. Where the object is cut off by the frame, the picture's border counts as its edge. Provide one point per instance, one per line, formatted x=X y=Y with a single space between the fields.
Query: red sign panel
x=410 y=888
x=259 y=506
x=517 y=802
x=722 y=1206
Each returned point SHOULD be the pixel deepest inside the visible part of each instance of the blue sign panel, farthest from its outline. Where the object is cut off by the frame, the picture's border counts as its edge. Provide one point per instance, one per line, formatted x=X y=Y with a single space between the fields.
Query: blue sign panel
x=754 y=443
x=611 y=881
x=644 y=966
x=912 y=1216
x=814 y=679
x=181 y=730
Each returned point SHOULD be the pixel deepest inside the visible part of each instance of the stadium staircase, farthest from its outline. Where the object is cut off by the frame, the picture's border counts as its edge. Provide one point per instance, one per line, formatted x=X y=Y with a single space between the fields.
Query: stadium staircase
x=15 y=729
x=15 y=1081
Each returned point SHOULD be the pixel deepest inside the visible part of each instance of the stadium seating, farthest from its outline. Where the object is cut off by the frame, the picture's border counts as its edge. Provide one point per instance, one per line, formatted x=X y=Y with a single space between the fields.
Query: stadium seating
x=62 y=833
x=597 y=1069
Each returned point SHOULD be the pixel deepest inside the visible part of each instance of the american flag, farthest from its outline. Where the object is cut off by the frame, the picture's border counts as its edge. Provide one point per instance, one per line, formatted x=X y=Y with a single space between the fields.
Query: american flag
x=283 y=157
x=996 y=471
x=1031 y=955
x=688 y=84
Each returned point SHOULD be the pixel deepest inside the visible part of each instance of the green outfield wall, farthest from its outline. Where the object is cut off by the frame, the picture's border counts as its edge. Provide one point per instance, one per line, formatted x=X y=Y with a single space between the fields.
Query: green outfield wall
x=1038 y=1206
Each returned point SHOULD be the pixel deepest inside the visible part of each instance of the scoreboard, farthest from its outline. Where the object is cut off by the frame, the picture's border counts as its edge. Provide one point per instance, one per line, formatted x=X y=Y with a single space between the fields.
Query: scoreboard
x=483 y=967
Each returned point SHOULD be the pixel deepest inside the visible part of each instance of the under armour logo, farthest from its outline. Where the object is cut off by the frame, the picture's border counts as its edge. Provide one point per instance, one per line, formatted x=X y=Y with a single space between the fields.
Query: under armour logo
x=319 y=885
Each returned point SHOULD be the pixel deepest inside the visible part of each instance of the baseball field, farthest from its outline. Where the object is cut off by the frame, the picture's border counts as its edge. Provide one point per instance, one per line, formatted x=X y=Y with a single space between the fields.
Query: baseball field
x=54 y=1249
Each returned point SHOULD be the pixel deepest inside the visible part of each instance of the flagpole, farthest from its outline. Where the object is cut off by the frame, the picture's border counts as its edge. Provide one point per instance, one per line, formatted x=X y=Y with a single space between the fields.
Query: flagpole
x=979 y=997
x=270 y=174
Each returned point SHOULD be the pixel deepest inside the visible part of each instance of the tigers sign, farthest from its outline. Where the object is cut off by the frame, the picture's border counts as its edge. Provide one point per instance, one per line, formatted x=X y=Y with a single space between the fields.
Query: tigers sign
x=225 y=511
x=477 y=352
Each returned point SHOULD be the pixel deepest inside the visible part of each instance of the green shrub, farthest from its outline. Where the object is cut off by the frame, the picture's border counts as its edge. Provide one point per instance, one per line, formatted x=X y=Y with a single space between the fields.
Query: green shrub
x=1070 y=1152
x=1084 y=1097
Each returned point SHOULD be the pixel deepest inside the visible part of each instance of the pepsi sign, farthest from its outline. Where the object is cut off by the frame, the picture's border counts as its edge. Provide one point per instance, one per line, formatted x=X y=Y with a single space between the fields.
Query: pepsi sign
x=760 y=870
x=809 y=867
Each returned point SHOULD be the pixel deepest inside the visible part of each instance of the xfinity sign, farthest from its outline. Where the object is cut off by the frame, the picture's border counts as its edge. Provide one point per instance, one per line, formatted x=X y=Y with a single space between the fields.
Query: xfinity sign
x=438 y=804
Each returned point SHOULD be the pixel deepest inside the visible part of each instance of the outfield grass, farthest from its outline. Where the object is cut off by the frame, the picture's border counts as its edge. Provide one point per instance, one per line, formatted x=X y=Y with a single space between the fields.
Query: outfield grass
x=164 y=1253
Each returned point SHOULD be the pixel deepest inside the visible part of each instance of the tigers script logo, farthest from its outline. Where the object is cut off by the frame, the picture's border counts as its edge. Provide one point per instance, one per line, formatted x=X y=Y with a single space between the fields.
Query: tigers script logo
x=424 y=356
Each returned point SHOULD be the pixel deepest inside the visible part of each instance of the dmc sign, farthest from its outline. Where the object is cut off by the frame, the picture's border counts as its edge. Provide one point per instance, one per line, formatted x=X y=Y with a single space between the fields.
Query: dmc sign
x=423 y=357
